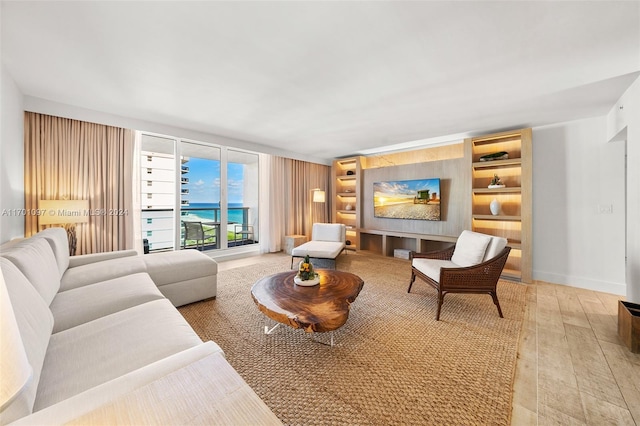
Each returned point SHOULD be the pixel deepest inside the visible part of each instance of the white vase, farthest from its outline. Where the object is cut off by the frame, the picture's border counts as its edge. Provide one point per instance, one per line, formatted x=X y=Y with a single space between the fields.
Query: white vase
x=495 y=207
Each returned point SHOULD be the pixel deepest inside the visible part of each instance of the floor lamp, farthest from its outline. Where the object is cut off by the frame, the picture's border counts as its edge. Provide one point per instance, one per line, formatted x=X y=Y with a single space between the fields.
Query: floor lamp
x=319 y=197
x=66 y=213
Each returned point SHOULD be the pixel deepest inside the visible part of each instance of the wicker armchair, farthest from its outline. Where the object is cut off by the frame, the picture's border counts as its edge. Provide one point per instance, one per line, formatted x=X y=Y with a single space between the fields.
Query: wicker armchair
x=438 y=270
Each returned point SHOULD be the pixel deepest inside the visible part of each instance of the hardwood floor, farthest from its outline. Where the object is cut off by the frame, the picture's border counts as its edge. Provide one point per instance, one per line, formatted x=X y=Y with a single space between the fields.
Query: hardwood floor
x=572 y=368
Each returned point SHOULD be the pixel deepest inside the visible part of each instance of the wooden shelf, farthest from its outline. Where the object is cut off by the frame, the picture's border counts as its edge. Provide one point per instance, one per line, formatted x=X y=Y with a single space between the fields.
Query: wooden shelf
x=345 y=191
x=496 y=217
x=510 y=189
x=516 y=198
x=497 y=163
x=514 y=245
x=347 y=162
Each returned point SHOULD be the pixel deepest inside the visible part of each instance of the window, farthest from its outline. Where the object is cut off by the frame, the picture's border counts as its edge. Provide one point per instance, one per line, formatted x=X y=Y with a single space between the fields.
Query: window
x=184 y=181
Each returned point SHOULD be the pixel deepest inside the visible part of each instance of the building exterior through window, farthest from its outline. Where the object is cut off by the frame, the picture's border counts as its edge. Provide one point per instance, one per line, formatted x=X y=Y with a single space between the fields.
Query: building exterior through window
x=197 y=195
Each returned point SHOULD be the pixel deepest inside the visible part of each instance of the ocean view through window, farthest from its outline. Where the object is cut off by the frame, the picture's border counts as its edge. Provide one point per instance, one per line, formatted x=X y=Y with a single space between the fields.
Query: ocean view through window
x=183 y=204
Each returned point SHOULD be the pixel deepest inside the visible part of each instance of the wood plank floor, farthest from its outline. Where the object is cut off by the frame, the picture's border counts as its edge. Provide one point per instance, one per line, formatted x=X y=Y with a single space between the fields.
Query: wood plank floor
x=572 y=368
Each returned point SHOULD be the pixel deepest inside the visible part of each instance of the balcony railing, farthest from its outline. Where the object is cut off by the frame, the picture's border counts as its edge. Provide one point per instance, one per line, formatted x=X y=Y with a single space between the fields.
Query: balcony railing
x=237 y=218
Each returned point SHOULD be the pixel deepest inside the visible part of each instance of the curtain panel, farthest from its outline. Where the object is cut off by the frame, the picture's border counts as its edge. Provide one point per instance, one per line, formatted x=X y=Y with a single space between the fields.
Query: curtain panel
x=68 y=159
x=288 y=207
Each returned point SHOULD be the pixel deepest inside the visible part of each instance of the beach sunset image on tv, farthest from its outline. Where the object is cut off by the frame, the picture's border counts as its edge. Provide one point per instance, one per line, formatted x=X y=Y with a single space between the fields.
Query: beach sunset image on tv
x=407 y=199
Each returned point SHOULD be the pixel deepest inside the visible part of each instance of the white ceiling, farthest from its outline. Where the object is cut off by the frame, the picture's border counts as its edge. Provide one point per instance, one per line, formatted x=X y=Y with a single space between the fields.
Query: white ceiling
x=328 y=79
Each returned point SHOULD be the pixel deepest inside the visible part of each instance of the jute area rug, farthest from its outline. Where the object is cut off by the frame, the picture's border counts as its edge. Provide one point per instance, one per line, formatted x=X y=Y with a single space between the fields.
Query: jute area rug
x=392 y=363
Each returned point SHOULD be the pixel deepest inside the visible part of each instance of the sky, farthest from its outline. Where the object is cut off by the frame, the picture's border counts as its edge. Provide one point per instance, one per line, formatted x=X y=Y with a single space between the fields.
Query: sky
x=405 y=188
x=204 y=181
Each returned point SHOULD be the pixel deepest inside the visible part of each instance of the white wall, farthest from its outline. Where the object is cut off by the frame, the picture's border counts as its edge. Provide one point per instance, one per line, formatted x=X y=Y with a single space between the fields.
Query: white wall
x=577 y=175
x=12 y=154
x=44 y=106
x=623 y=124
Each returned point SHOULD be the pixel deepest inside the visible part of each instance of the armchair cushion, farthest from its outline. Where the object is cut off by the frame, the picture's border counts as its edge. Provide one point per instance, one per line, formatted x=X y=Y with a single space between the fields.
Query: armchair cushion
x=470 y=248
x=495 y=247
x=431 y=267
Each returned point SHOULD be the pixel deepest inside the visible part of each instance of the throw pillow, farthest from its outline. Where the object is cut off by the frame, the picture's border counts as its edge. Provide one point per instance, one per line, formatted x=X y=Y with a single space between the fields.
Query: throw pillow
x=470 y=248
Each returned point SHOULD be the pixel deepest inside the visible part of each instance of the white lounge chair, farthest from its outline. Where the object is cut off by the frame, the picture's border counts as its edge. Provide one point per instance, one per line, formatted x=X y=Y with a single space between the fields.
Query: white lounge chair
x=328 y=240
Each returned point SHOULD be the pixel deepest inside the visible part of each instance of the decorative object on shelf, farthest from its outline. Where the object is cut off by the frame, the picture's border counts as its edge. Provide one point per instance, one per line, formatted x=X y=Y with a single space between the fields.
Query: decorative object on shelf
x=496 y=182
x=348 y=190
x=502 y=155
x=495 y=207
x=306 y=276
x=347 y=243
x=350 y=173
x=348 y=207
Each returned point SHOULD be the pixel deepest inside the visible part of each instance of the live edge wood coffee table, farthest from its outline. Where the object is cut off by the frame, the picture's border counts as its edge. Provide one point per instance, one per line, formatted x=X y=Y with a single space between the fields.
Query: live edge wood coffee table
x=319 y=308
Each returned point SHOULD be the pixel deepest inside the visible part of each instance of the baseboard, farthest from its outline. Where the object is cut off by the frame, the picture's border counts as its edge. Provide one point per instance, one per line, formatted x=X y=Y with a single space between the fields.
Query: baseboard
x=581 y=282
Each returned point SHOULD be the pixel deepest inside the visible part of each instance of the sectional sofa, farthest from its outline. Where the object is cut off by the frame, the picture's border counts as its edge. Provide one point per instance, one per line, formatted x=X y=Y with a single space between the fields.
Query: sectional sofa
x=97 y=339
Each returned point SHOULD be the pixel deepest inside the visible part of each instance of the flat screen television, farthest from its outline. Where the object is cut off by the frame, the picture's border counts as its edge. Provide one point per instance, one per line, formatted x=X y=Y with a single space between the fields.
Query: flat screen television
x=407 y=199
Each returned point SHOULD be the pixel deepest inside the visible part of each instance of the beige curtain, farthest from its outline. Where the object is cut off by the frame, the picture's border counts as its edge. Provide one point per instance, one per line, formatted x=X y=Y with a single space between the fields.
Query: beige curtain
x=76 y=160
x=289 y=208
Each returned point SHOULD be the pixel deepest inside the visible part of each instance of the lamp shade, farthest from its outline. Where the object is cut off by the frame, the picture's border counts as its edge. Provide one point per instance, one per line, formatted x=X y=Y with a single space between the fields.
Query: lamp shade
x=318 y=196
x=62 y=212
x=15 y=367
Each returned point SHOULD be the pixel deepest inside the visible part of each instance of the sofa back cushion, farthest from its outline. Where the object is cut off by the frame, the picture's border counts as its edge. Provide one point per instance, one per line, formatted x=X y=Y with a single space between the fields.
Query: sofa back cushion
x=470 y=248
x=34 y=258
x=57 y=239
x=34 y=323
x=328 y=232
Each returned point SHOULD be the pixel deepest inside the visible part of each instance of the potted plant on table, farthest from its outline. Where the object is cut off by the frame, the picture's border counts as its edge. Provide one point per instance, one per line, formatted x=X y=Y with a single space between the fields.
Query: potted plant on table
x=306 y=275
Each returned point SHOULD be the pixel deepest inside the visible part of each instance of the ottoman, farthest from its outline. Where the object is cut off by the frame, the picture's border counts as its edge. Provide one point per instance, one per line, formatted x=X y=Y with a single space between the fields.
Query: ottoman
x=183 y=276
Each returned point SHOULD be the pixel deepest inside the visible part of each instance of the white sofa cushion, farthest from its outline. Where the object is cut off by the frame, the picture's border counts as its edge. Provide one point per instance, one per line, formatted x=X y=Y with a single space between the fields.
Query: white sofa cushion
x=495 y=247
x=83 y=304
x=182 y=265
x=68 y=410
x=470 y=248
x=85 y=259
x=101 y=271
x=34 y=258
x=93 y=353
x=431 y=267
x=183 y=276
x=34 y=321
x=57 y=239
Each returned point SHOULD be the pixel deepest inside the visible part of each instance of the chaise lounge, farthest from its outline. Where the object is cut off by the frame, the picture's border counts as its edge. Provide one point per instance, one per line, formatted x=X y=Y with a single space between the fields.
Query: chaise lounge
x=328 y=240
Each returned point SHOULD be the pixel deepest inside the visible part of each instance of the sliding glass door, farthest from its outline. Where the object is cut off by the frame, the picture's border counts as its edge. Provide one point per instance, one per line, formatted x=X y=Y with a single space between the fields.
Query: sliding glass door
x=197 y=195
x=242 y=196
x=158 y=192
x=200 y=196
